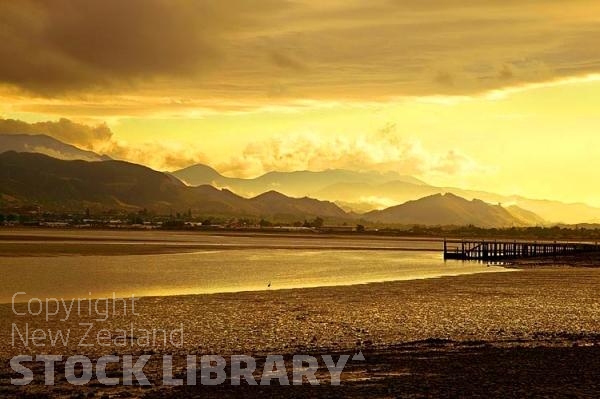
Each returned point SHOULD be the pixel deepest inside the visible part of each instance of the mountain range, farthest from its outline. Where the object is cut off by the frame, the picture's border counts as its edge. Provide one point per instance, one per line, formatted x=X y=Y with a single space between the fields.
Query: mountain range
x=43 y=144
x=59 y=185
x=361 y=192
x=297 y=183
x=449 y=209
x=29 y=178
x=335 y=193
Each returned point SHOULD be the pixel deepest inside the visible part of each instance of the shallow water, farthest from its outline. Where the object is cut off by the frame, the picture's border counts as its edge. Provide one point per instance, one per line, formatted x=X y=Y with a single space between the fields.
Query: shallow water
x=214 y=271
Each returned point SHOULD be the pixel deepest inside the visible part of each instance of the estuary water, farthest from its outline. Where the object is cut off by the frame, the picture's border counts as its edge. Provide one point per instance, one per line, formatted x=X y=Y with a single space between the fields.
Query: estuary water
x=216 y=271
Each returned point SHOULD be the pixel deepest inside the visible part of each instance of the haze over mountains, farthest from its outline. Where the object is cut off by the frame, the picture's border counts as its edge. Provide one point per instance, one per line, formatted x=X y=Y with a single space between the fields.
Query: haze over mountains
x=37 y=179
x=449 y=209
x=298 y=183
x=43 y=144
x=29 y=178
x=365 y=191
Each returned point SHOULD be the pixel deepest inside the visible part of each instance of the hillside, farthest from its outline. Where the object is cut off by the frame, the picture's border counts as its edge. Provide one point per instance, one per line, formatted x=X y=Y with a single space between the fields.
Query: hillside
x=446 y=209
x=297 y=183
x=354 y=191
x=28 y=178
x=43 y=144
x=527 y=217
x=365 y=191
x=31 y=178
x=281 y=205
x=362 y=196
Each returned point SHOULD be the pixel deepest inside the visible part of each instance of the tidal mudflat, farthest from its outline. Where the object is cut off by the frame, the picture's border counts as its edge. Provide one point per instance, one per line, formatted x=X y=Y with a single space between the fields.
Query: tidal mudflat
x=527 y=333
x=76 y=265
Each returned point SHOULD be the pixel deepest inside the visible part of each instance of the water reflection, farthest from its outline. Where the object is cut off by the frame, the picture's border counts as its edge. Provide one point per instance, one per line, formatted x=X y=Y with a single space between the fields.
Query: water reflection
x=217 y=271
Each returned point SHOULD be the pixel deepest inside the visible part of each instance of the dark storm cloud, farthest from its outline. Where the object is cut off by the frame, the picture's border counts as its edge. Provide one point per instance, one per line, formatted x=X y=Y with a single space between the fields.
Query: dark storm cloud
x=58 y=45
x=101 y=139
x=251 y=50
x=63 y=129
x=287 y=62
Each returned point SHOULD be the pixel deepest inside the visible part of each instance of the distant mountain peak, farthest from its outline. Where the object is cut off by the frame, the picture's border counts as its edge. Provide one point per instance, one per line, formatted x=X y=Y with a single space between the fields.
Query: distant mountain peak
x=200 y=167
x=54 y=184
x=47 y=145
x=197 y=175
x=271 y=194
x=449 y=209
x=300 y=183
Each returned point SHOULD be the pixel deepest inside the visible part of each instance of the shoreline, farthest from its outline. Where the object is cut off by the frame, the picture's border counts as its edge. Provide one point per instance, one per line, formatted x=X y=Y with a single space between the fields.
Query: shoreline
x=10 y=250
x=405 y=329
x=23 y=243
x=489 y=334
x=51 y=233
x=399 y=298
x=292 y=290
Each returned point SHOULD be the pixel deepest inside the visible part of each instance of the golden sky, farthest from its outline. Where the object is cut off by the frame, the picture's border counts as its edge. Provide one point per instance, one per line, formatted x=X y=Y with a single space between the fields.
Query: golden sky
x=497 y=95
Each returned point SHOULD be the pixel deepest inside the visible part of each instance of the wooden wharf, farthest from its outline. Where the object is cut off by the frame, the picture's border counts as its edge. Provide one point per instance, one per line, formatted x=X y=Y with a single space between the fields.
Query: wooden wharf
x=506 y=250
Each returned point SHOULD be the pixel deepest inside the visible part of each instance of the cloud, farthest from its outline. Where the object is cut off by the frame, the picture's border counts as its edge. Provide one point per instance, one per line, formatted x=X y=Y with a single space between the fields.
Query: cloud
x=444 y=78
x=382 y=150
x=285 y=61
x=248 y=53
x=506 y=72
x=64 y=129
x=99 y=138
x=65 y=46
x=159 y=155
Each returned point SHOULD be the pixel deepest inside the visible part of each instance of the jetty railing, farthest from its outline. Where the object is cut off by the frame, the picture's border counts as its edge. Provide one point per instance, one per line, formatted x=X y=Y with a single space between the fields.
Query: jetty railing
x=505 y=250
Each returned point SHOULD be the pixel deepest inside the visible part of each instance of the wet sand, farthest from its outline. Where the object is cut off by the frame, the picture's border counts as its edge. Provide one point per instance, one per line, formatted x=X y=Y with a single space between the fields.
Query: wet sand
x=531 y=333
x=50 y=242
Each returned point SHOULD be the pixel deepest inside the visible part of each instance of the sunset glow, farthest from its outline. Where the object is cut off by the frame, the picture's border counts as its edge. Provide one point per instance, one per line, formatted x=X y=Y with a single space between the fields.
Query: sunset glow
x=500 y=96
